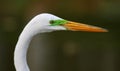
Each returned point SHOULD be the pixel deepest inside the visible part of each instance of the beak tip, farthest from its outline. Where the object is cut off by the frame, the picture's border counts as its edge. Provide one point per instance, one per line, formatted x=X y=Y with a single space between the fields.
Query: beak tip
x=105 y=30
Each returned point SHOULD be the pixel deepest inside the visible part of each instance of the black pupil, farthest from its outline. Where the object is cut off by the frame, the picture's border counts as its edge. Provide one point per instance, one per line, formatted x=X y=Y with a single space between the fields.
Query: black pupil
x=51 y=21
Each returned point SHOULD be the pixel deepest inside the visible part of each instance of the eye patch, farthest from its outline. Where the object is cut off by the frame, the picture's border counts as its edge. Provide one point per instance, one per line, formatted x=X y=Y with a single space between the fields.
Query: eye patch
x=57 y=22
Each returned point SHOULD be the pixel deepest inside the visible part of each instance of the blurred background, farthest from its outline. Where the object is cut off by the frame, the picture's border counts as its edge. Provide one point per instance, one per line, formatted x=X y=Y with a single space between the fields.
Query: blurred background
x=63 y=50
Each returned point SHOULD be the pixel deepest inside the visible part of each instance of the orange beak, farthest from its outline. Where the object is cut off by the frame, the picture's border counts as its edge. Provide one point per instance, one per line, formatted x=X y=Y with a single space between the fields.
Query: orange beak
x=74 y=26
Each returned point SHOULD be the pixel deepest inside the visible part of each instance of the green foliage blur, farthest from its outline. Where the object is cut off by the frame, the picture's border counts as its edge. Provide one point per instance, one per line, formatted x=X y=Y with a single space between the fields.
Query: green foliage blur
x=76 y=51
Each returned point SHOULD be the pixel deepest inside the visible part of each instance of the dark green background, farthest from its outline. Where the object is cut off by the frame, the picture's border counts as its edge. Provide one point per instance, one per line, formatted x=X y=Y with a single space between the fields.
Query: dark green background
x=65 y=50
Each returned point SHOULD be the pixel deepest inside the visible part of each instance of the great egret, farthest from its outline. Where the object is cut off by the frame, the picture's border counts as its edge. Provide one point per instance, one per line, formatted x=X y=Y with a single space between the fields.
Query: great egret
x=43 y=23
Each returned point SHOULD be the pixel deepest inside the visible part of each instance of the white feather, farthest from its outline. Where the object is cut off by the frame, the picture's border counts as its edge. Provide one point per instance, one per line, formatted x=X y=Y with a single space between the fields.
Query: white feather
x=39 y=24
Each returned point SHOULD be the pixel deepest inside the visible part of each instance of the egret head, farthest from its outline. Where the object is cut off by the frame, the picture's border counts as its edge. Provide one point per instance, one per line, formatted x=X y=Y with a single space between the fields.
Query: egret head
x=40 y=24
x=49 y=22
